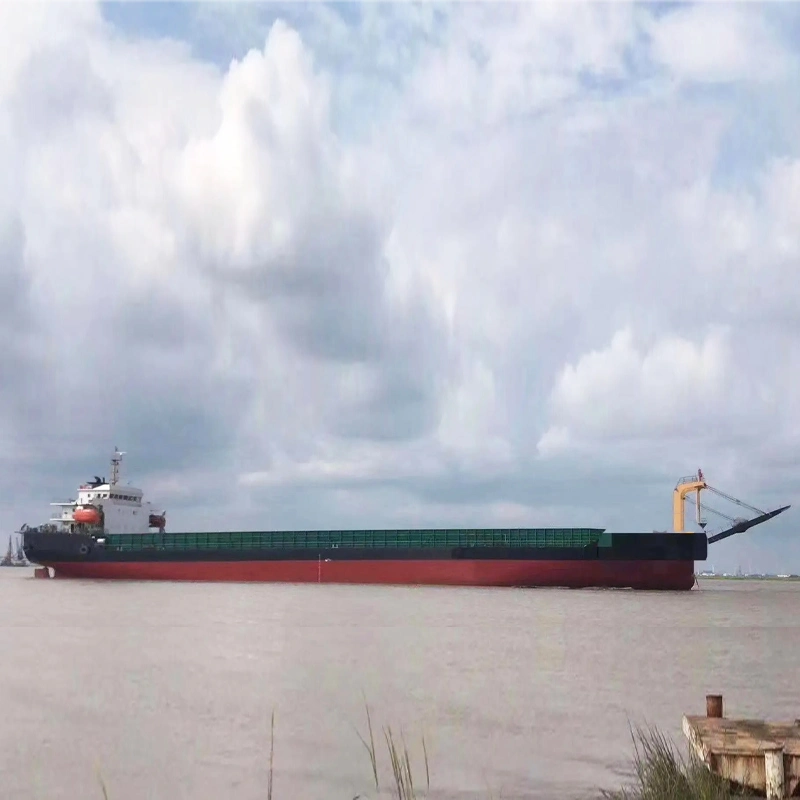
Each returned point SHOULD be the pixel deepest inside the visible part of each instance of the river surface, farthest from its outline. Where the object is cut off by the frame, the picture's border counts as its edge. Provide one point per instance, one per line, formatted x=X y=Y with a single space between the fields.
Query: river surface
x=166 y=690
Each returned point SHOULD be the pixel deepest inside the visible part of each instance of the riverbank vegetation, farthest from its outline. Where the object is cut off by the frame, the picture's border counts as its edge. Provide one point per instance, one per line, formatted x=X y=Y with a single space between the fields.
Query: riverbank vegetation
x=659 y=772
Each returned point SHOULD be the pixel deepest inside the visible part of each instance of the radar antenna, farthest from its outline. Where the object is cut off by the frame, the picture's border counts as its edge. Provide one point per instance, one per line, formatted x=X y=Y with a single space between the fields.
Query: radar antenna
x=116 y=460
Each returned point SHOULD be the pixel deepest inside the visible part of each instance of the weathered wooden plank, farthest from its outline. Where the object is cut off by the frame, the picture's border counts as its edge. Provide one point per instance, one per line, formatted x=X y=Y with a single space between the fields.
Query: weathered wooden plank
x=761 y=755
x=746 y=736
x=774 y=773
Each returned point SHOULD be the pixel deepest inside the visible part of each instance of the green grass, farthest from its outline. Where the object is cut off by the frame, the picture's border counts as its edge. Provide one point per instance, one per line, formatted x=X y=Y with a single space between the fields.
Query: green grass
x=662 y=774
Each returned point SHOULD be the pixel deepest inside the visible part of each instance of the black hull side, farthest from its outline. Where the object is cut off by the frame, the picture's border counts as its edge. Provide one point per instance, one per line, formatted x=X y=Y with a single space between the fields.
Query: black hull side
x=53 y=548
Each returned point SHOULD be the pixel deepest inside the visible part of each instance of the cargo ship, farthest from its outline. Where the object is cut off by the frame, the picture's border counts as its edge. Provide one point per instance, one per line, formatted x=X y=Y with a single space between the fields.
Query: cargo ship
x=110 y=532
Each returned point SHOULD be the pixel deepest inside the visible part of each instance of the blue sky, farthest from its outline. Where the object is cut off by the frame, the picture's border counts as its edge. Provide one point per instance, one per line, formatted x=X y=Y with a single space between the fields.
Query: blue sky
x=384 y=264
x=220 y=32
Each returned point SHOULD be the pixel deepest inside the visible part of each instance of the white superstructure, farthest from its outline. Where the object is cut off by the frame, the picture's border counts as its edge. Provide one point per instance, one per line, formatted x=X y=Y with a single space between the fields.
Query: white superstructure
x=108 y=507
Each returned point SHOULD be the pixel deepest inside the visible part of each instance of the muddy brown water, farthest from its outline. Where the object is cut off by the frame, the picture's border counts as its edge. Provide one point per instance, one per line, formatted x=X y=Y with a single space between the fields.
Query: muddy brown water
x=165 y=690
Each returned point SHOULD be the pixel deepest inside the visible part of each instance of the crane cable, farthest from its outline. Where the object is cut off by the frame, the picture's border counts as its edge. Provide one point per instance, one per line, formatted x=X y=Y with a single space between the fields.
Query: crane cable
x=705 y=507
x=734 y=500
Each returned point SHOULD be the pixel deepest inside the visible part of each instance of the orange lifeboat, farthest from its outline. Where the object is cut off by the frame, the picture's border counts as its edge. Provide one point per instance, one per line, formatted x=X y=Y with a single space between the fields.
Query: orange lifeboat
x=87 y=516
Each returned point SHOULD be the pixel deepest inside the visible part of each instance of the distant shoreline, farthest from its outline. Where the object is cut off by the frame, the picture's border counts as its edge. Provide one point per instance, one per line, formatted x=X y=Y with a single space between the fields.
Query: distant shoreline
x=748 y=577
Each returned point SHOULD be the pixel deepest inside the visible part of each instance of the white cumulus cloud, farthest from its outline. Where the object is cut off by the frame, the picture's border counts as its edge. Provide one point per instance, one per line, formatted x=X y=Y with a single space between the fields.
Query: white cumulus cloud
x=468 y=265
x=624 y=391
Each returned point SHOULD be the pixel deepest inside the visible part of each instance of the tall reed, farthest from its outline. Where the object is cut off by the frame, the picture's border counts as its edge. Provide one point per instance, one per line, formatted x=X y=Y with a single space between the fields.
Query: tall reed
x=399 y=759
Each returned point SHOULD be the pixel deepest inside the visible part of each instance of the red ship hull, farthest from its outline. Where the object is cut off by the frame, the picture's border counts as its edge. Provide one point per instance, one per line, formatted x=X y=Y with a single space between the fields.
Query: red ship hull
x=656 y=574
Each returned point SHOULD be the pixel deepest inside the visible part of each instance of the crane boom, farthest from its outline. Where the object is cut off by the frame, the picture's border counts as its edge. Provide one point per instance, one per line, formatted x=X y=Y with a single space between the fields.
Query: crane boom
x=746 y=524
x=694 y=484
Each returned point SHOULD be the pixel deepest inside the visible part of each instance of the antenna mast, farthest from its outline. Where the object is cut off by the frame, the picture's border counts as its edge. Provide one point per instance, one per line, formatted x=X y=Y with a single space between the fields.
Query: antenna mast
x=115 y=462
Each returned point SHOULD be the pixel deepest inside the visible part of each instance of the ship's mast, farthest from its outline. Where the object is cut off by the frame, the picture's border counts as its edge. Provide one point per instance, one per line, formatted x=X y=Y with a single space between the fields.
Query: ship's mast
x=116 y=460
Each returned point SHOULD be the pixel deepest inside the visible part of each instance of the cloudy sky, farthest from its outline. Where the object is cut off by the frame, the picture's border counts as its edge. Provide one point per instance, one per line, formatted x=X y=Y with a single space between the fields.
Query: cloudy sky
x=399 y=265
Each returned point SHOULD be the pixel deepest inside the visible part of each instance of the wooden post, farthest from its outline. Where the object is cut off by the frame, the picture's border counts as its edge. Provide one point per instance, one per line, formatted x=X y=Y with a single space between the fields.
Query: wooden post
x=714 y=705
x=773 y=768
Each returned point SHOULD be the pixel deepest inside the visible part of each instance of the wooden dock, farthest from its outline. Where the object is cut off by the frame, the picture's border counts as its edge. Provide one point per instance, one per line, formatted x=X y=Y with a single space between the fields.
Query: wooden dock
x=762 y=756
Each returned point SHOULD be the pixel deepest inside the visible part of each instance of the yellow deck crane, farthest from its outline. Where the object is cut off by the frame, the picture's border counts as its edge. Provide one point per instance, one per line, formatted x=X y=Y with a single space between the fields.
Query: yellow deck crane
x=694 y=484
